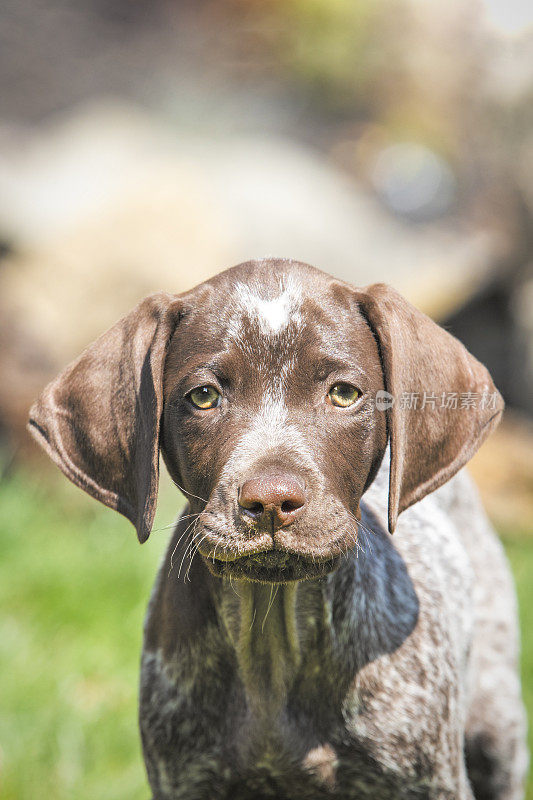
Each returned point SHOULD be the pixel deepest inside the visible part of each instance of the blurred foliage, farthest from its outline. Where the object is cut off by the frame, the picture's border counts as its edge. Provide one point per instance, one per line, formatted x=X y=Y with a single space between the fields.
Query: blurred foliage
x=334 y=51
x=332 y=47
x=413 y=69
x=74 y=585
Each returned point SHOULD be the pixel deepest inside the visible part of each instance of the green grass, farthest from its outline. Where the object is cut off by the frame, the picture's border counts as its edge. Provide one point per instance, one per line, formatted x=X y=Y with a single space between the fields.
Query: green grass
x=74 y=585
x=520 y=553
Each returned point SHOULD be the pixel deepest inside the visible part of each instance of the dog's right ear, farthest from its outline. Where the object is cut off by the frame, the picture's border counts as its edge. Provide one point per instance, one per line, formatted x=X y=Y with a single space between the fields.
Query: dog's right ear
x=99 y=420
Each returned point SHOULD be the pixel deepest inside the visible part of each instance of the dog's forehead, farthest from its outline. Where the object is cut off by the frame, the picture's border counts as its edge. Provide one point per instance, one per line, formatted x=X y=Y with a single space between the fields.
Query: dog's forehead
x=273 y=316
x=264 y=310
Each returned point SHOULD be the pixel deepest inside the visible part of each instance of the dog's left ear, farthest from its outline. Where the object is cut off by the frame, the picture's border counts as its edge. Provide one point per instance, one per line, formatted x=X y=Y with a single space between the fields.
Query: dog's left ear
x=99 y=420
x=444 y=403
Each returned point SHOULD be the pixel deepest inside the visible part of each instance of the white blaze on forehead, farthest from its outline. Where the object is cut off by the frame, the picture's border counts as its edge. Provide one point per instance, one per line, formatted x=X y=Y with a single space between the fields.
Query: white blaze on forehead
x=272 y=314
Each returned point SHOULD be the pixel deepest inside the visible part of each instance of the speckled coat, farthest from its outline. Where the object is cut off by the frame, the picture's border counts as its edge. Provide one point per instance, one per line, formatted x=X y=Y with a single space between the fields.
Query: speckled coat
x=304 y=653
x=370 y=683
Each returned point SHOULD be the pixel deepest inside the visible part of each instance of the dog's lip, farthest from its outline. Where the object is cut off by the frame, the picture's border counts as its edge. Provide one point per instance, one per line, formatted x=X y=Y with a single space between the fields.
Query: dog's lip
x=267 y=562
x=272 y=566
x=260 y=551
x=214 y=547
x=228 y=550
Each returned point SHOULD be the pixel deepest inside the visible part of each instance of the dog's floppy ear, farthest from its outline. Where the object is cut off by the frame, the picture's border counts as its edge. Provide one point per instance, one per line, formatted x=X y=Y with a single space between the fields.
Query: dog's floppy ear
x=99 y=420
x=444 y=403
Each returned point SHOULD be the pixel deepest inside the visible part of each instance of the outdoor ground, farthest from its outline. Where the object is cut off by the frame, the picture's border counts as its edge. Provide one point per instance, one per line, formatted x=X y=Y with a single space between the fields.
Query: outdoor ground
x=74 y=585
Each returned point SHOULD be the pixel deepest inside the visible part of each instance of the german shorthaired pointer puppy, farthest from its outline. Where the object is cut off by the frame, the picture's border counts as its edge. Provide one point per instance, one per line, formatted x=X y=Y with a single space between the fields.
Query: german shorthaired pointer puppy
x=293 y=648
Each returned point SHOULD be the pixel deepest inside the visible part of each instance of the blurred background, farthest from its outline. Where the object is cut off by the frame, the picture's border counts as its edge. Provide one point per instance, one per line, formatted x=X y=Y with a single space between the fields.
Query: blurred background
x=148 y=145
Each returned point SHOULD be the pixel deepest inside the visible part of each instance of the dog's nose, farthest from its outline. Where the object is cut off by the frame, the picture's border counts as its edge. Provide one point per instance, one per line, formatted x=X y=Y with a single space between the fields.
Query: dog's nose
x=278 y=499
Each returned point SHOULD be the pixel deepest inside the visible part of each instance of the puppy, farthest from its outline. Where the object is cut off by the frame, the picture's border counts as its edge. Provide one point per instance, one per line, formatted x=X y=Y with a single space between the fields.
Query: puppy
x=293 y=648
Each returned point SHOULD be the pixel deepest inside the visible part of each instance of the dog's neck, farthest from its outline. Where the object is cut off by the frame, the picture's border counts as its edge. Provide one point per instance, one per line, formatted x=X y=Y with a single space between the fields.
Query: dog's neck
x=288 y=661
x=303 y=641
x=262 y=624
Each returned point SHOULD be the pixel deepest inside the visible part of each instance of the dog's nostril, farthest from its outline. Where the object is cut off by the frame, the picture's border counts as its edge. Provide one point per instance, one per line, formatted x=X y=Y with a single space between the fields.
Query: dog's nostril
x=290 y=505
x=255 y=508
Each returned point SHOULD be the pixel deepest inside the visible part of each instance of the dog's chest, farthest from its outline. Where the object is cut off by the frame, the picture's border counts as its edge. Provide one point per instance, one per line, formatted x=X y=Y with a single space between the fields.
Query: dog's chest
x=202 y=740
x=201 y=729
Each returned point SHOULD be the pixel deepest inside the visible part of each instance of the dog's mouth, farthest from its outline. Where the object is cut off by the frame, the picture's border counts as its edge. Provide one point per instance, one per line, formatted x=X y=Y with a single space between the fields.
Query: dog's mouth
x=271 y=566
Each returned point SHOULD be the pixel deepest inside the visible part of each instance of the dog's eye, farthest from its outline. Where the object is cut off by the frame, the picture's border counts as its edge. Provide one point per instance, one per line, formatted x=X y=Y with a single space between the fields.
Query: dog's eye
x=204 y=397
x=343 y=395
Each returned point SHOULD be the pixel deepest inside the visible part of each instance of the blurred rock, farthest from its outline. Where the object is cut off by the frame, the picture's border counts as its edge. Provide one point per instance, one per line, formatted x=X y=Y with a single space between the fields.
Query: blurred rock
x=106 y=206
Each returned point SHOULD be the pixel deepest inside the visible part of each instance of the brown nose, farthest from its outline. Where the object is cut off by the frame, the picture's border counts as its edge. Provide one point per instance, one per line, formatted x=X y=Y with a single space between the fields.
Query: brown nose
x=272 y=499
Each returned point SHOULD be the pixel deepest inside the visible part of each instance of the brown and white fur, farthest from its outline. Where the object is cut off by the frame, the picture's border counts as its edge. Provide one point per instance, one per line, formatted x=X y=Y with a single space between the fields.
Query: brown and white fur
x=293 y=648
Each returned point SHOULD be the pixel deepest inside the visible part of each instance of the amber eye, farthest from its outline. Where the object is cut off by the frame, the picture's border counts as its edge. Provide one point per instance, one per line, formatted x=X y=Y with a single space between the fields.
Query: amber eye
x=204 y=397
x=343 y=395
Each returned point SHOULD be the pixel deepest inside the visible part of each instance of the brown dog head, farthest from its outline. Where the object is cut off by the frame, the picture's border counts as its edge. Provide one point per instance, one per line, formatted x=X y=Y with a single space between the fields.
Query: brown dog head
x=272 y=390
